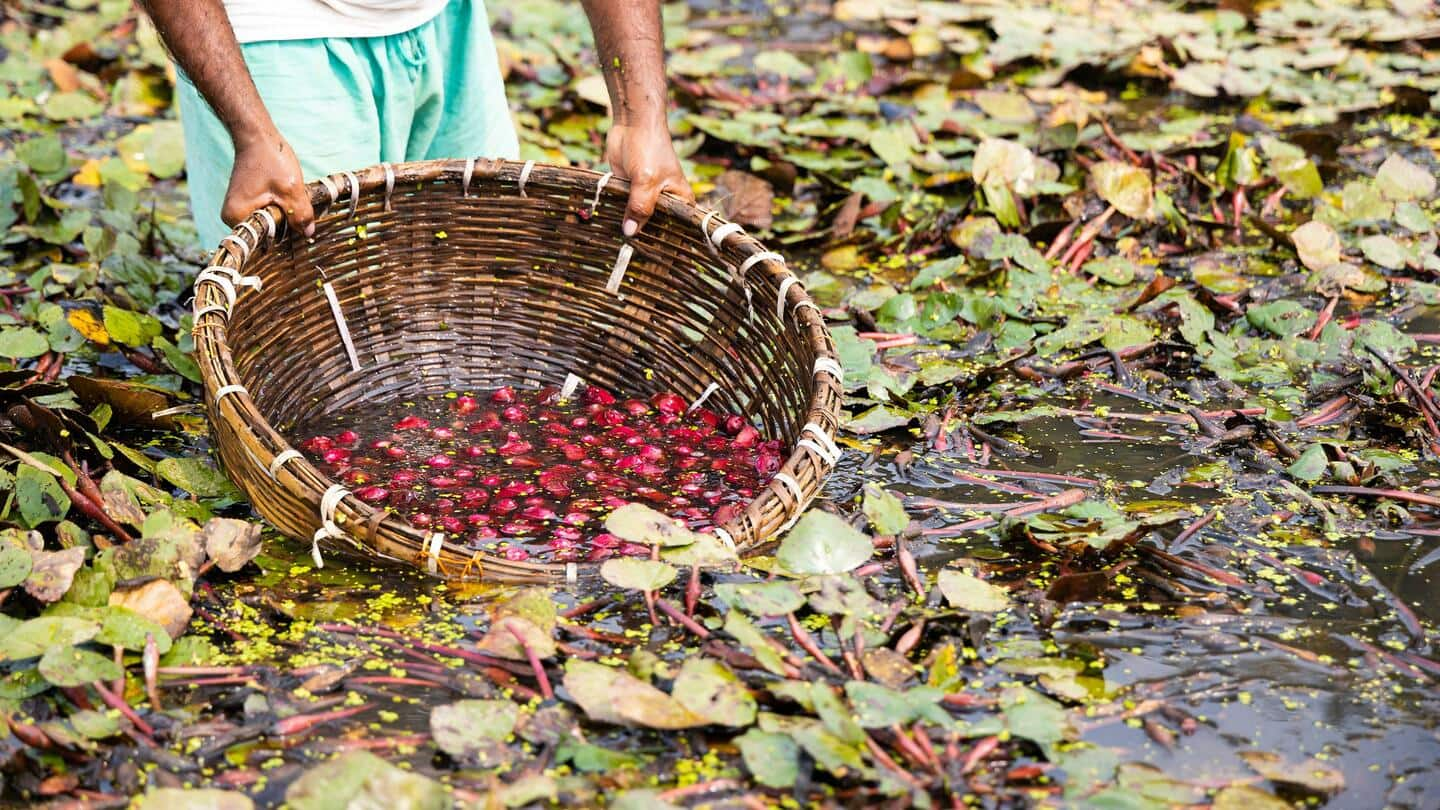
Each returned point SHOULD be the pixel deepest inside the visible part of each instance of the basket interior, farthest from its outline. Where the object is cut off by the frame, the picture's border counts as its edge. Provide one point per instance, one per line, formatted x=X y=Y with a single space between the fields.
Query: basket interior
x=450 y=290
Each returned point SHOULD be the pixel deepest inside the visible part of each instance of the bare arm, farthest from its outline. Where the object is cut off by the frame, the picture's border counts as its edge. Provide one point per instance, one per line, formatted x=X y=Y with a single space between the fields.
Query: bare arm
x=200 y=38
x=631 y=47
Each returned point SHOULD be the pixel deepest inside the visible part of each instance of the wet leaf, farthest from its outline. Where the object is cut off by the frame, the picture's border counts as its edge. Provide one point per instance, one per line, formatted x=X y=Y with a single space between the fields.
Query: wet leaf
x=197 y=477
x=1400 y=180
x=969 y=592
x=878 y=706
x=710 y=690
x=885 y=511
x=474 y=731
x=22 y=342
x=773 y=759
x=35 y=636
x=610 y=695
x=633 y=573
x=230 y=543
x=531 y=614
x=822 y=543
x=358 y=779
x=74 y=666
x=15 y=564
x=123 y=627
x=762 y=598
x=1311 y=775
x=1124 y=186
x=638 y=523
x=1317 y=244
x=1247 y=797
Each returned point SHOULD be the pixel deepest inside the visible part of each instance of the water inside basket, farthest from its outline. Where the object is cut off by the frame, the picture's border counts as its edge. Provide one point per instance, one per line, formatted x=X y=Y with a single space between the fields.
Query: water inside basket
x=530 y=476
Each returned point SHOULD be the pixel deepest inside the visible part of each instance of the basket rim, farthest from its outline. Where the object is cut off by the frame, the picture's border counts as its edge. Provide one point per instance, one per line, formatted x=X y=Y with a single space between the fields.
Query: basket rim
x=217 y=291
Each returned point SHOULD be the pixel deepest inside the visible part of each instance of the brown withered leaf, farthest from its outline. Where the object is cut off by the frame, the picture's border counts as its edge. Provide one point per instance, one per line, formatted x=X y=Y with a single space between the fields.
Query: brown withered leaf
x=745 y=198
x=52 y=573
x=158 y=600
x=849 y=214
x=231 y=543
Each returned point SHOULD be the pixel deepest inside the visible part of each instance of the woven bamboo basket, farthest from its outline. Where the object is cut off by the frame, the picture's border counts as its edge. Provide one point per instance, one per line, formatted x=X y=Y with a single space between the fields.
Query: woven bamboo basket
x=439 y=276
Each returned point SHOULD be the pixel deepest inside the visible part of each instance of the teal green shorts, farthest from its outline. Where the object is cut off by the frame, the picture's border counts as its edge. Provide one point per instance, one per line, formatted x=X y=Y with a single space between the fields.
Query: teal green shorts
x=344 y=104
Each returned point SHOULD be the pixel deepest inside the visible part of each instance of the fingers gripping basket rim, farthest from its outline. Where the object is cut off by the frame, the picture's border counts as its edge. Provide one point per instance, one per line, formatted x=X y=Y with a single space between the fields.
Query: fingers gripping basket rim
x=302 y=501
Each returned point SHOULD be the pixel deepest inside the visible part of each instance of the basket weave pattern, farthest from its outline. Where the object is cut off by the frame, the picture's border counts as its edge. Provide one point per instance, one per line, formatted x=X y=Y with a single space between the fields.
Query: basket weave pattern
x=467 y=275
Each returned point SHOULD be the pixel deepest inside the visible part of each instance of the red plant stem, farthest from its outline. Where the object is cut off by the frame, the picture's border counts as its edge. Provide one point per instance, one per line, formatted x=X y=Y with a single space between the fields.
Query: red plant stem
x=888 y=763
x=1322 y=414
x=922 y=739
x=699 y=789
x=389 y=680
x=1026 y=475
x=507 y=680
x=908 y=747
x=895 y=343
x=869 y=569
x=299 y=723
x=909 y=569
x=202 y=670
x=1068 y=498
x=587 y=607
x=150 y=662
x=1325 y=315
x=118 y=703
x=1371 y=492
x=1194 y=528
x=1062 y=239
x=221 y=681
x=540 y=676
x=907 y=642
x=809 y=645
x=1223 y=577
x=692 y=591
x=981 y=750
x=679 y=616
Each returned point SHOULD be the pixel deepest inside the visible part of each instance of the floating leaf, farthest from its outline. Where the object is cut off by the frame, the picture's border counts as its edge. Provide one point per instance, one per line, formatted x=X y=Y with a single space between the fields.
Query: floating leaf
x=474 y=731
x=529 y=613
x=35 y=636
x=1400 y=180
x=230 y=543
x=885 y=512
x=610 y=695
x=20 y=342
x=638 y=523
x=634 y=573
x=969 y=592
x=123 y=627
x=194 y=799
x=822 y=543
x=773 y=759
x=710 y=690
x=359 y=779
x=762 y=598
x=197 y=477
x=1317 y=244
x=1124 y=186
x=15 y=564
x=73 y=666
x=1311 y=775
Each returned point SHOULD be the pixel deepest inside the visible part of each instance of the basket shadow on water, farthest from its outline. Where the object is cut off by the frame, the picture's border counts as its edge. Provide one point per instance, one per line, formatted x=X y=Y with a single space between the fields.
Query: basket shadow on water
x=467 y=275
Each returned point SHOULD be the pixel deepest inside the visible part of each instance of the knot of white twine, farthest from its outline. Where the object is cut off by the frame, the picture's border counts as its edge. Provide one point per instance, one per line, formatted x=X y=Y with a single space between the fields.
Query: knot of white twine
x=280 y=459
x=525 y=175
x=432 y=552
x=328 y=528
x=599 y=187
x=831 y=366
x=820 y=443
x=785 y=284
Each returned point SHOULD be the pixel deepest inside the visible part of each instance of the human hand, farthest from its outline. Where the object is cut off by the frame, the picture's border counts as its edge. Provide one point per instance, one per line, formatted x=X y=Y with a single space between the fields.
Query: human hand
x=267 y=171
x=644 y=155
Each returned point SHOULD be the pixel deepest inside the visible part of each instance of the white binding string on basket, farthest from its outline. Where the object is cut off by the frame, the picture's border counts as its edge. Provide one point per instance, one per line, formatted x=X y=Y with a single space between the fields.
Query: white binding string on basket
x=572 y=573
x=432 y=552
x=264 y=213
x=704 y=395
x=617 y=273
x=808 y=304
x=209 y=308
x=525 y=175
x=705 y=231
x=570 y=386
x=354 y=193
x=280 y=459
x=389 y=183
x=220 y=280
x=599 y=187
x=226 y=390
x=824 y=439
x=253 y=282
x=725 y=537
x=762 y=256
x=328 y=502
x=820 y=453
x=243 y=246
x=830 y=366
x=341 y=325
x=721 y=233
x=330 y=189
x=465 y=180
x=785 y=284
x=788 y=481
